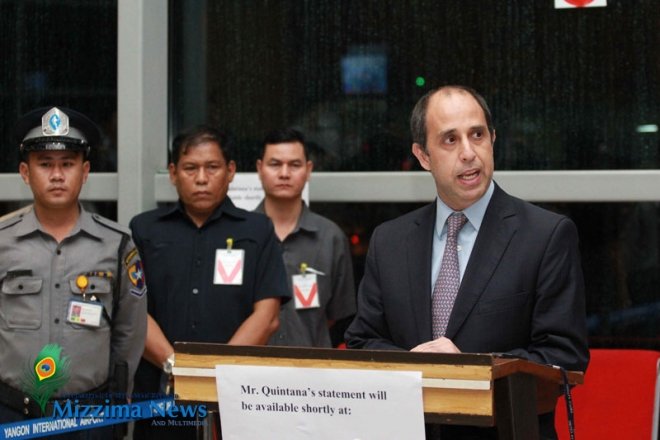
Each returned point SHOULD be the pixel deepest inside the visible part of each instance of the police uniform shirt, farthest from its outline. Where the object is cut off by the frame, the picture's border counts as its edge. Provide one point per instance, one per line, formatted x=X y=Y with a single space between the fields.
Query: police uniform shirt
x=38 y=277
x=321 y=245
x=179 y=261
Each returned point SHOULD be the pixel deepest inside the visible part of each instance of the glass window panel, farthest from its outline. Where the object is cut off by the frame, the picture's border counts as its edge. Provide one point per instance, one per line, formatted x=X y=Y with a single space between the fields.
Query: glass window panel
x=59 y=53
x=619 y=245
x=568 y=88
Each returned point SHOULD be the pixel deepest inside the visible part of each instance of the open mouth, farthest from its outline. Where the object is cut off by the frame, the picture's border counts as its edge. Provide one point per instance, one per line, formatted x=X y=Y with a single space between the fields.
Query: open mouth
x=469 y=176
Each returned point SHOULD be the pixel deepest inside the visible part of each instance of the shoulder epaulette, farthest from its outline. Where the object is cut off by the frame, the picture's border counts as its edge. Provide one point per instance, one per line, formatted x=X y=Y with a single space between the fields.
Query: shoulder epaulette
x=13 y=217
x=111 y=225
x=10 y=221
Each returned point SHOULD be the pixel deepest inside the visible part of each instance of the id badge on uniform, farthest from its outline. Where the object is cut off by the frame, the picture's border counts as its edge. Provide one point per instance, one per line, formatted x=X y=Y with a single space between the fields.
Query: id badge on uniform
x=306 y=291
x=228 y=267
x=85 y=313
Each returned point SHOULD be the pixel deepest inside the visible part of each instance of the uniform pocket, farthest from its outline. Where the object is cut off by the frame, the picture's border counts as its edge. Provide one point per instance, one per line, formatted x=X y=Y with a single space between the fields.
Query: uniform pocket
x=21 y=302
x=101 y=289
x=95 y=286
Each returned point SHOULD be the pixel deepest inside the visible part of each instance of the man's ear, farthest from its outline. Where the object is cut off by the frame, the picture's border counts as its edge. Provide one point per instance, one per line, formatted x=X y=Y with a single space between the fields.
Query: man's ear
x=422 y=156
x=231 y=169
x=86 y=167
x=259 y=165
x=24 y=170
x=172 y=170
x=310 y=166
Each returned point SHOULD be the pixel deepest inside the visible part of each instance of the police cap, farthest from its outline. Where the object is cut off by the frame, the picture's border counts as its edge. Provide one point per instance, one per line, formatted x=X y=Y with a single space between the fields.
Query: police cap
x=56 y=128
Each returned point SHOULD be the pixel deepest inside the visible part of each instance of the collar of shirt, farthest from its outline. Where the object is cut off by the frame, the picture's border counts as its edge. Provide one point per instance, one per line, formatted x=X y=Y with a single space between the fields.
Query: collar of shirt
x=84 y=223
x=227 y=207
x=305 y=221
x=474 y=213
x=466 y=237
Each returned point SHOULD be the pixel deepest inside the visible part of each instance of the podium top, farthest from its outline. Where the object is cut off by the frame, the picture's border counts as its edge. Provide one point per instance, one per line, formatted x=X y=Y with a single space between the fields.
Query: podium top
x=500 y=365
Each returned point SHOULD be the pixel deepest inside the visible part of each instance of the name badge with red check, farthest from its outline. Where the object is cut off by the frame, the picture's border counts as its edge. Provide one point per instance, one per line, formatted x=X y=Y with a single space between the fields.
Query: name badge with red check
x=228 y=269
x=306 y=291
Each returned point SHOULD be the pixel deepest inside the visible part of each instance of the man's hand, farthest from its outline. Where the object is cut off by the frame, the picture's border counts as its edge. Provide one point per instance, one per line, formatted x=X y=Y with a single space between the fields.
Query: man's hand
x=156 y=346
x=260 y=325
x=440 y=345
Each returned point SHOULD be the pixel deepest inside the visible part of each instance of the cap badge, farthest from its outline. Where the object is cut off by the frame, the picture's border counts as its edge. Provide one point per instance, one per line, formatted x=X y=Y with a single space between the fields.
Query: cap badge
x=55 y=123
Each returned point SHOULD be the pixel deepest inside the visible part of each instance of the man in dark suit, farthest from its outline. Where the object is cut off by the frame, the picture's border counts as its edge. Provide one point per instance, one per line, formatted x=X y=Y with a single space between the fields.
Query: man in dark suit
x=518 y=284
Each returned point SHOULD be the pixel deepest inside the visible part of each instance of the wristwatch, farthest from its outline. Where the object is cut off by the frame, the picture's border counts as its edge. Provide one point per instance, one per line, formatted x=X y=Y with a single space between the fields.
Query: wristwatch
x=168 y=364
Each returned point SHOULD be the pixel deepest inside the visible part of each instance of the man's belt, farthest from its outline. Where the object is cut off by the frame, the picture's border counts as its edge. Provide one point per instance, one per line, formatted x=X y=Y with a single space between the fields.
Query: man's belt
x=26 y=405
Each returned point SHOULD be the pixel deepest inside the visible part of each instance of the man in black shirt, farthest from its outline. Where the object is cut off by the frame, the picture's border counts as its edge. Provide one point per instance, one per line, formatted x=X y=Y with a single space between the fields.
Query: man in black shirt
x=215 y=271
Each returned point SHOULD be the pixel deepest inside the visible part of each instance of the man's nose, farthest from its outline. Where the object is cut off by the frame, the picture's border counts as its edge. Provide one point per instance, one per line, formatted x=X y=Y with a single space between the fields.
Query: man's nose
x=57 y=173
x=467 y=150
x=202 y=175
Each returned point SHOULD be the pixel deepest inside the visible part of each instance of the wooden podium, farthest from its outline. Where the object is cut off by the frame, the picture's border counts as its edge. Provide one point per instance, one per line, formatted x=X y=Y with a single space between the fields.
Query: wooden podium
x=460 y=389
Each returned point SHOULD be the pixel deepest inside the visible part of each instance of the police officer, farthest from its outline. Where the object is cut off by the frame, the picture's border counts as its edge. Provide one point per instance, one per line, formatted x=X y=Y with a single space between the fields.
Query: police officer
x=72 y=292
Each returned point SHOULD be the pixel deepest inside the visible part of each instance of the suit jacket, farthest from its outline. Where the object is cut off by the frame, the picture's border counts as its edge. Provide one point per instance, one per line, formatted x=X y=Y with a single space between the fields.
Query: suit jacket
x=522 y=291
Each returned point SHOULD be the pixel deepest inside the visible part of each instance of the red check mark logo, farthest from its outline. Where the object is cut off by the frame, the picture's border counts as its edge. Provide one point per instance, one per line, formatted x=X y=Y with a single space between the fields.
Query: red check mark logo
x=228 y=278
x=306 y=301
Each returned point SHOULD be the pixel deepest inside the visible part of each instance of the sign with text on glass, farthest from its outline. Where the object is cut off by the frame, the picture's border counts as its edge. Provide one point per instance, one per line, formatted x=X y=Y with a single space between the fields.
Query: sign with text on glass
x=246 y=191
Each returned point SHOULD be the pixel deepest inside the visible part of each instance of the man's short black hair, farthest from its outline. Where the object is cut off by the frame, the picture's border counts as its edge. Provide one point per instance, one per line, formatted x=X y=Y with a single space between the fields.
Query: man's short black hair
x=199 y=135
x=282 y=135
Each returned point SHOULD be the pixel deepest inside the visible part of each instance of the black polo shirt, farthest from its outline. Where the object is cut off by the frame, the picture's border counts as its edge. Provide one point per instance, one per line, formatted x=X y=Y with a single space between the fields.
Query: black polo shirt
x=179 y=259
